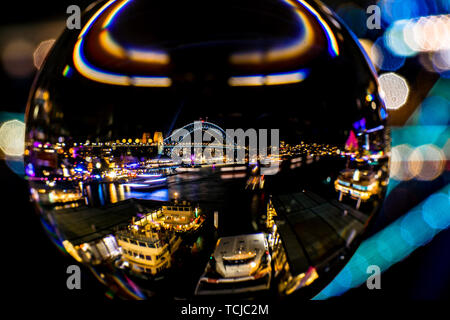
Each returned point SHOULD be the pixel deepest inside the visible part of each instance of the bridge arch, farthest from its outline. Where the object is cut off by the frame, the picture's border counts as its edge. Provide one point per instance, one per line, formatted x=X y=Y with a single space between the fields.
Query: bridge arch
x=196 y=125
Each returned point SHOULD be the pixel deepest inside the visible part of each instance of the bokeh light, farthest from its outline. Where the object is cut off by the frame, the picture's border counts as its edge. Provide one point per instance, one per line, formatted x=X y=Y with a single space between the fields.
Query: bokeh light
x=12 y=137
x=394 y=39
x=441 y=62
x=372 y=52
x=395 y=90
x=400 y=169
x=409 y=228
x=434 y=110
x=427 y=162
x=392 y=11
x=430 y=33
x=388 y=61
x=435 y=211
x=41 y=52
x=428 y=36
x=17 y=58
x=404 y=235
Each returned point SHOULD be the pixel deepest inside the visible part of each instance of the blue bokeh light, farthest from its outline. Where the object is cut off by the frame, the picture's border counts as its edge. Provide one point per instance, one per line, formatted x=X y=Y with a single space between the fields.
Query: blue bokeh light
x=389 y=61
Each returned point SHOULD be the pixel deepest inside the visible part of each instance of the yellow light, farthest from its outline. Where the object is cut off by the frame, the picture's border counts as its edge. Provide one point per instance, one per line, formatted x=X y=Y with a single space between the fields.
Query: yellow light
x=94 y=74
x=151 y=81
x=292 y=50
x=107 y=42
x=269 y=80
x=148 y=56
x=113 y=12
x=71 y=250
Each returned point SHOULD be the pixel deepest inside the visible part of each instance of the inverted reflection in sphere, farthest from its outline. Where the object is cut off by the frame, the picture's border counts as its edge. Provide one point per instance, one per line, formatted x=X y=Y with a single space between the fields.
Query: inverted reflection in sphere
x=199 y=149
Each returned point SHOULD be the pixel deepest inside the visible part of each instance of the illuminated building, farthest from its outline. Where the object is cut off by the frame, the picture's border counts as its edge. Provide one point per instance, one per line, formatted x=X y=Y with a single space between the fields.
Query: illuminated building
x=351 y=143
x=159 y=140
x=146 y=138
x=271 y=213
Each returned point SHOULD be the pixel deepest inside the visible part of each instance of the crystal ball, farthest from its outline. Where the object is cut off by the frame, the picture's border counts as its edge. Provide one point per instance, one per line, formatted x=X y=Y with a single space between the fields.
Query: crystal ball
x=202 y=149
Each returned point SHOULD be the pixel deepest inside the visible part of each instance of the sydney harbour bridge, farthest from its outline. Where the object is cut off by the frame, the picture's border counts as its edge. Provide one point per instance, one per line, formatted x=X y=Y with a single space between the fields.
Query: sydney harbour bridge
x=200 y=135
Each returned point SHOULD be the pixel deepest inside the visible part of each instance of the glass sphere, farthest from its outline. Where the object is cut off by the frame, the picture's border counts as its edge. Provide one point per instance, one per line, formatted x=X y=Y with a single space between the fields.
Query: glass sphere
x=208 y=149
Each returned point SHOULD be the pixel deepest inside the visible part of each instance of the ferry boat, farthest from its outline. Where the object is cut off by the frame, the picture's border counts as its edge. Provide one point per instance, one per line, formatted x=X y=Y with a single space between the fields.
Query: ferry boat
x=239 y=264
x=181 y=216
x=360 y=185
x=145 y=250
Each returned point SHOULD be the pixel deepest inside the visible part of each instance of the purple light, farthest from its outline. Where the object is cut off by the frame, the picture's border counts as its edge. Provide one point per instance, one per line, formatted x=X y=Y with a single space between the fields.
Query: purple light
x=156 y=180
x=149 y=175
x=29 y=170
